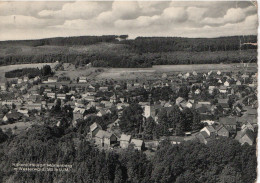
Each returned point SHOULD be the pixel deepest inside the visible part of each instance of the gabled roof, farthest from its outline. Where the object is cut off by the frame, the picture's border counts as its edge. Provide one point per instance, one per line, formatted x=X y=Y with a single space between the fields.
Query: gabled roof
x=137 y=142
x=251 y=111
x=94 y=126
x=212 y=87
x=13 y=115
x=222 y=101
x=205 y=134
x=179 y=100
x=247 y=132
x=103 y=134
x=210 y=128
x=203 y=108
x=228 y=121
x=79 y=110
x=223 y=88
x=125 y=137
x=102 y=112
x=220 y=127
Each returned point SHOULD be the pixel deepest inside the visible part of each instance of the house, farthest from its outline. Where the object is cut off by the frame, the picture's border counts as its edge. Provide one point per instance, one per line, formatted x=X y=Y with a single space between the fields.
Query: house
x=204 y=111
x=101 y=113
x=223 y=103
x=238 y=83
x=164 y=76
x=202 y=137
x=251 y=112
x=105 y=139
x=149 y=111
x=107 y=104
x=210 y=130
x=3 y=87
x=94 y=128
x=50 y=105
x=211 y=88
x=204 y=103
x=223 y=89
x=138 y=144
x=61 y=96
x=125 y=141
x=12 y=116
x=179 y=100
x=246 y=126
x=47 y=90
x=37 y=78
x=90 y=98
x=220 y=81
x=19 y=81
x=229 y=122
x=25 y=79
x=226 y=84
x=52 y=79
x=197 y=92
x=24 y=112
x=167 y=104
x=82 y=79
x=246 y=136
x=151 y=144
x=78 y=113
x=113 y=99
x=208 y=122
x=34 y=106
x=221 y=130
x=189 y=104
x=113 y=124
x=245 y=76
x=51 y=95
x=103 y=88
x=120 y=106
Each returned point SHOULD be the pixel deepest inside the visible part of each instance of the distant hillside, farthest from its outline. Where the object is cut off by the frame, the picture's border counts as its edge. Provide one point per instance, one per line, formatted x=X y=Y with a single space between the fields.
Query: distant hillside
x=108 y=51
x=168 y=44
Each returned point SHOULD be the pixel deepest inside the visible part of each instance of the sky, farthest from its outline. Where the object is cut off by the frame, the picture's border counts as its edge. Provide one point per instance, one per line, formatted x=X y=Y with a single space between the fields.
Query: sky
x=35 y=20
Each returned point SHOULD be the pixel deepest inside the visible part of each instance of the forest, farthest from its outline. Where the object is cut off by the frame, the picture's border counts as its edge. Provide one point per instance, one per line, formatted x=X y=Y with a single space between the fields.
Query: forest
x=108 y=51
x=221 y=160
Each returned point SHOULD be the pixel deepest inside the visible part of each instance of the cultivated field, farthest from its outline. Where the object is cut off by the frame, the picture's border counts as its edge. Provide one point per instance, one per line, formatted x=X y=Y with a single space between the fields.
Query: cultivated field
x=131 y=73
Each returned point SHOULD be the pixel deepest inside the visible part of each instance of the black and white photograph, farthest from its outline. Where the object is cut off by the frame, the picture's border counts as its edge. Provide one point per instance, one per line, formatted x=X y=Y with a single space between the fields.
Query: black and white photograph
x=128 y=91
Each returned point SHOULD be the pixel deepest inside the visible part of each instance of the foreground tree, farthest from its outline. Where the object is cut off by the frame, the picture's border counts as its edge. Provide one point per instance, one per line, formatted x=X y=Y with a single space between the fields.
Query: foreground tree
x=132 y=118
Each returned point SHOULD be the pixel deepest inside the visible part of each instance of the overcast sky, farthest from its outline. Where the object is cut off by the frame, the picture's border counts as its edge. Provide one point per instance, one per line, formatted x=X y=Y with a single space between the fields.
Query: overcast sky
x=33 y=20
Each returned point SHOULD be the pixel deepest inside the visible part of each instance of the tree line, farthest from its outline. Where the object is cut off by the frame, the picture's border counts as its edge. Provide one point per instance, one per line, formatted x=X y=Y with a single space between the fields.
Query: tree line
x=140 y=52
x=169 y=44
x=30 y=72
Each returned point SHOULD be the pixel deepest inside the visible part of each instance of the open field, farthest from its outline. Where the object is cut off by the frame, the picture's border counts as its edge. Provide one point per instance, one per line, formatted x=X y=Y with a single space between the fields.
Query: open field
x=131 y=73
x=89 y=72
